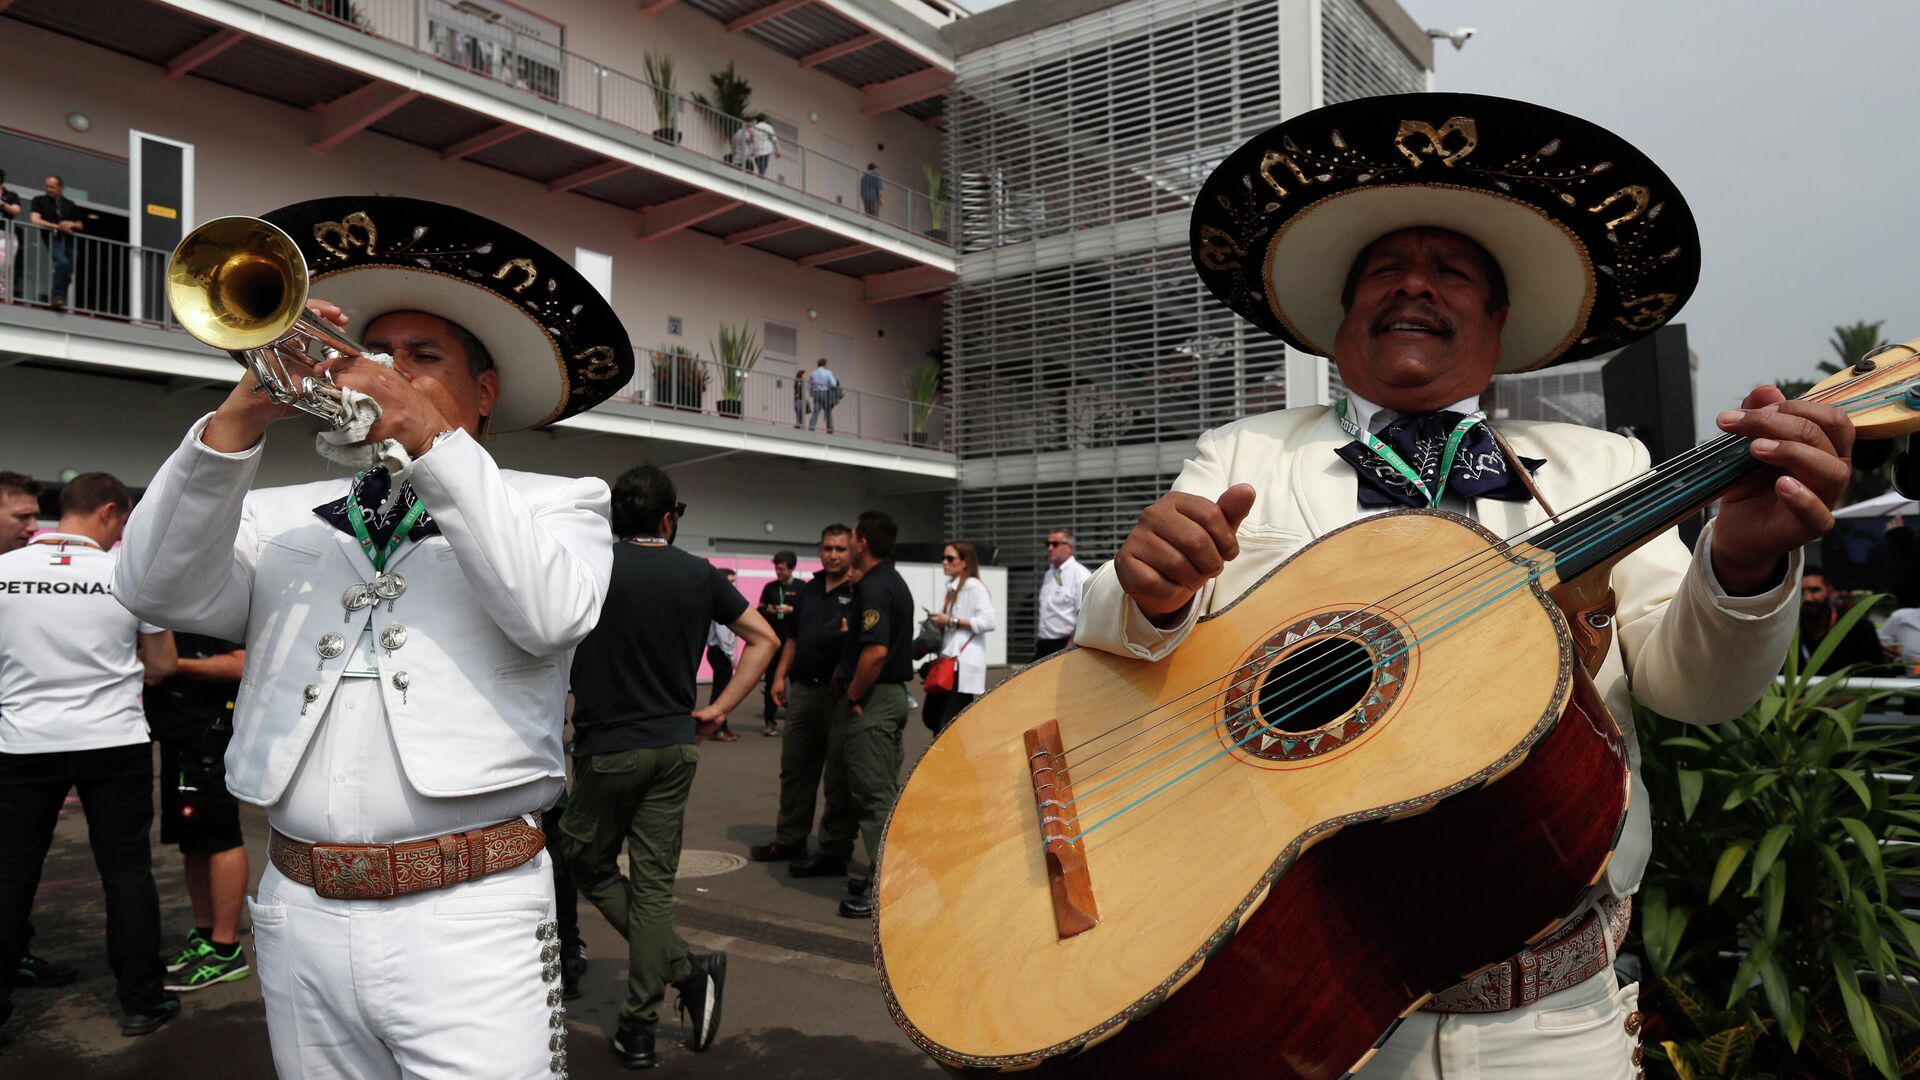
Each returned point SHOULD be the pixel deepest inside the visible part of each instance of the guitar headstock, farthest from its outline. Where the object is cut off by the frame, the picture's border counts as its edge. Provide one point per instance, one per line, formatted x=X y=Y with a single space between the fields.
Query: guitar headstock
x=1883 y=402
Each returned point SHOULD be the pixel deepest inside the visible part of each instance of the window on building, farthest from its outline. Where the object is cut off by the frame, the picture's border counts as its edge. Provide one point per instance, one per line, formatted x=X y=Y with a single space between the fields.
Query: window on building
x=779 y=341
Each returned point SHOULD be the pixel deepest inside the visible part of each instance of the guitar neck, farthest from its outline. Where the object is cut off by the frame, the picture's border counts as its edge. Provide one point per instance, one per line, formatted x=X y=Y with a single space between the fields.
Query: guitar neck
x=1607 y=529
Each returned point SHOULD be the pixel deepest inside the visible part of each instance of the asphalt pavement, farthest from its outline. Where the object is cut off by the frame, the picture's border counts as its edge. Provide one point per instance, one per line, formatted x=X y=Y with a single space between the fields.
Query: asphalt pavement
x=803 y=1000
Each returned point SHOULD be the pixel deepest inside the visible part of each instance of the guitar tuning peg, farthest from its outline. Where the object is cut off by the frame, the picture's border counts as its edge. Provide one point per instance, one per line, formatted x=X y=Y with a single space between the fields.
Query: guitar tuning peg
x=1906 y=474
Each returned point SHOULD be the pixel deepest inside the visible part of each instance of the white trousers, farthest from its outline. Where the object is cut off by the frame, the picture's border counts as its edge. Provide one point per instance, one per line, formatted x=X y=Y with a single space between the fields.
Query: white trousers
x=1579 y=1033
x=455 y=984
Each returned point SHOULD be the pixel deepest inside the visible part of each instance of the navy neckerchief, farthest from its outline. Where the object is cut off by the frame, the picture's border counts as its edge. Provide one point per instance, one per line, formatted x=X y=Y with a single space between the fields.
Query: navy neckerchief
x=1479 y=469
x=372 y=486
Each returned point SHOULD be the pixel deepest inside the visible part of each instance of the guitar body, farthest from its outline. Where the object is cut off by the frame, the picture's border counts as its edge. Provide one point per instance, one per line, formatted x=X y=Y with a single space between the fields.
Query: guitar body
x=1378 y=771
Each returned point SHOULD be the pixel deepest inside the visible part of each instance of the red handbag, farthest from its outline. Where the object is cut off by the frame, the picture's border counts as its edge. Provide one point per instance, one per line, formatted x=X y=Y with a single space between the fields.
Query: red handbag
x=943 y=674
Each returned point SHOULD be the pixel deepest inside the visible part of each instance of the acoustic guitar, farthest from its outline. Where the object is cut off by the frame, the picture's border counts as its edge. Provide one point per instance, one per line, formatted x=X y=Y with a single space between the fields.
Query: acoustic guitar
x=1382 y=769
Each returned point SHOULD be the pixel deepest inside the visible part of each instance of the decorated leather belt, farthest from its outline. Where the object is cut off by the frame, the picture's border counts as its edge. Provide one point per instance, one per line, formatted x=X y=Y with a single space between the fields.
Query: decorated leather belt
x=1564 y=960
x=384 y=871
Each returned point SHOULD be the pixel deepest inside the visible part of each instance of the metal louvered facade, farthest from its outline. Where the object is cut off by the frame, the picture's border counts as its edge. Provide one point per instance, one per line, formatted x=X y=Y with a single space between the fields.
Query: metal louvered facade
x=1086 y=356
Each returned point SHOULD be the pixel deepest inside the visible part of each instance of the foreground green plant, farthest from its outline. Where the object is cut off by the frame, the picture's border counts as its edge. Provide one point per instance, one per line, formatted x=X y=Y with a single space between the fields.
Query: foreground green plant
x=1780 y=838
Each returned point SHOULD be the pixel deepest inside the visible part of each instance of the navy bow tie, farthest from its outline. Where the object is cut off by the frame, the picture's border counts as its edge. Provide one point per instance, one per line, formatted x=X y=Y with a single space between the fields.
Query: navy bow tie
x=373 y=486
x=1479 y=468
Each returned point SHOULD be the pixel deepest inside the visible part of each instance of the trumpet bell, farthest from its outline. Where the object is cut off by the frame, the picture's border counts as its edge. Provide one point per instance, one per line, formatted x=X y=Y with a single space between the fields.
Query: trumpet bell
x=237 y=283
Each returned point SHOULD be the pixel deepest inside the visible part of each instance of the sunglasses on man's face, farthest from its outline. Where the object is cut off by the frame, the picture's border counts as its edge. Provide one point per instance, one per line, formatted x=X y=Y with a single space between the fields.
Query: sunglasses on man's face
x=1059 y=543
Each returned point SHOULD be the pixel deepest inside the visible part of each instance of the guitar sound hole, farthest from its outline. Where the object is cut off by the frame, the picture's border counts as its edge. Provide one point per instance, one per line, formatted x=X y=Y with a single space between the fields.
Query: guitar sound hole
x=1315 y=685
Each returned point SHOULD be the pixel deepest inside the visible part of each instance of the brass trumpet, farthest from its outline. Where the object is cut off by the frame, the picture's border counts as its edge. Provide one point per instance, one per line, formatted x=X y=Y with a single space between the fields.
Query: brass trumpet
x=240 y=284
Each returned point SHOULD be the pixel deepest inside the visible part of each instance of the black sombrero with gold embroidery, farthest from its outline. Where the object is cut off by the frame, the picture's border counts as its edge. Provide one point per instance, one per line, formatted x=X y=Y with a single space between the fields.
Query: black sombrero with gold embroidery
x=1597 y=245
x=556 y=342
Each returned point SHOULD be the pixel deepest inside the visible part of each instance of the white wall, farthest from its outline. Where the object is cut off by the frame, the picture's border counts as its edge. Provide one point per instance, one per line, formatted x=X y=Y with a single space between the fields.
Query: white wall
x=252 y=156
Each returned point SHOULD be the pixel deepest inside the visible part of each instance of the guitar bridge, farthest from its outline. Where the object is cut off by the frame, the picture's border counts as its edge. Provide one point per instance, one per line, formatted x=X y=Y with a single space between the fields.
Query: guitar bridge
x=1058 y=816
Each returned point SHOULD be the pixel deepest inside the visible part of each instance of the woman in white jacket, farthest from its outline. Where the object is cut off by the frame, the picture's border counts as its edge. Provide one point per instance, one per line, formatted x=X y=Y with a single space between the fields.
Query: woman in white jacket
x=966 y=615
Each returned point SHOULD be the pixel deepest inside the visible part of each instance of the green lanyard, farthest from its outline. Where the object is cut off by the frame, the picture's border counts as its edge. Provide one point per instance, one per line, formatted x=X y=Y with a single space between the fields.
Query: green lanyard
x=358 y=519
x=1386 y=453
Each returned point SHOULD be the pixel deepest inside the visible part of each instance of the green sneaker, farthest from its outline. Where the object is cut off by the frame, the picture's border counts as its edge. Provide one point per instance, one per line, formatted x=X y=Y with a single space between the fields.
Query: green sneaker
x=194 y=949
x=211 y=969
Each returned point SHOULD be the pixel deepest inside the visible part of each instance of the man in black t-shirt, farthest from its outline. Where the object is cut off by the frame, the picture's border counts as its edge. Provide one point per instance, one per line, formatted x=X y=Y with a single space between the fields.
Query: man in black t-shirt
x=57 y=212
x=191 y=715
x=874 y=667
x=816 y=726
x=777 y=598
x=635 y=729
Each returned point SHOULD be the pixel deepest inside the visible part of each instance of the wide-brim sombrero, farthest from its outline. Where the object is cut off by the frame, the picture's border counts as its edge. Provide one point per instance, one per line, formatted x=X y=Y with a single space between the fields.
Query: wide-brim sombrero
x=1597 y=246
x=555 y=341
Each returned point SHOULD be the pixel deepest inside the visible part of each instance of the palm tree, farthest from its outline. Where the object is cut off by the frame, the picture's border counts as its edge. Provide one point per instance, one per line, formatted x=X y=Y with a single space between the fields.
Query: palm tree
x=1853 y=342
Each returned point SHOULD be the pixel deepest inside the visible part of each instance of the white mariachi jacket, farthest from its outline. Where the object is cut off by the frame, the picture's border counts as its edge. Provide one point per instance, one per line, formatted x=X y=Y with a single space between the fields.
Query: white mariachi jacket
x=1682 y=646
x=493 y=606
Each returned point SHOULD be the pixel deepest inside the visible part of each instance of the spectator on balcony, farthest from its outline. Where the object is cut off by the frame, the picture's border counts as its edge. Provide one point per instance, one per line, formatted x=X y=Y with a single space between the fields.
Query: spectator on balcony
x=741 y=155
x=766 y=143
x=9 y=209
x=826 y=393
x=799 y=401
x=55 y=211
x=872 y=189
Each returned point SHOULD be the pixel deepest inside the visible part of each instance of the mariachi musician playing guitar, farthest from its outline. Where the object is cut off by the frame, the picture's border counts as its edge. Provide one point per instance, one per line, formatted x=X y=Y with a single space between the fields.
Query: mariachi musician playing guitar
x=1341 y=775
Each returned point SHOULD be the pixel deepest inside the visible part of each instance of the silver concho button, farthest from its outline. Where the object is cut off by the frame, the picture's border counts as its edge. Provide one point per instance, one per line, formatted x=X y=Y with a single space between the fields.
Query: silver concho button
x=401 y=681
x=330 y=646
x=357 y=597
x=389 y=586
x=310 y=694
x=393 y=636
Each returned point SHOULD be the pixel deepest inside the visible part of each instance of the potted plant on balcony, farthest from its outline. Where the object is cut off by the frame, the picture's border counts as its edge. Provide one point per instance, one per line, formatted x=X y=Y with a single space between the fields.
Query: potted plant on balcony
x=666 y=103
x=922 y=386
x=737 y=351
x=679 y=378
x=936 y=201
x=727 y=109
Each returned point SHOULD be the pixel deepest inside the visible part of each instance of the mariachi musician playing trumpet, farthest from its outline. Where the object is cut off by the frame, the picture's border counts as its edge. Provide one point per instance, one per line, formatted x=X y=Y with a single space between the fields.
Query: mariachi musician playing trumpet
x=1426 y=243
x=409 y=629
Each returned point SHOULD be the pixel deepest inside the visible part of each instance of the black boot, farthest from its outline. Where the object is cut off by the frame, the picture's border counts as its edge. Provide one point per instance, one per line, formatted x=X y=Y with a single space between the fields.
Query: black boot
x=634 y=1046
x=144 y=1021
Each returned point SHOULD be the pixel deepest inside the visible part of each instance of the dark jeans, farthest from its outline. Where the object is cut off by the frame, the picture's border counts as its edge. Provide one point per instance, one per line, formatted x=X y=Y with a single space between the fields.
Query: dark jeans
x=813 y=751
x=116 y=792
x=721 y=661
x=760 y=162
x=639 y=797
x=770 y=711
x=940 y=708
x=1047 y=646
x=61 y=248
x=822 y=405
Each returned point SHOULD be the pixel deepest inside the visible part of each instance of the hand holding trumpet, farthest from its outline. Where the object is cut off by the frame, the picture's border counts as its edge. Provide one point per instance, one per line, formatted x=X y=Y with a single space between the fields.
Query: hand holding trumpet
x=415 y=403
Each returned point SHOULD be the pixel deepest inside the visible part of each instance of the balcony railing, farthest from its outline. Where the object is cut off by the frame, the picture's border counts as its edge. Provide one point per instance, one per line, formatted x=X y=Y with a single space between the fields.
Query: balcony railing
x=112 y=279
x=108 y=278
x=694 y=384
x=462 y=35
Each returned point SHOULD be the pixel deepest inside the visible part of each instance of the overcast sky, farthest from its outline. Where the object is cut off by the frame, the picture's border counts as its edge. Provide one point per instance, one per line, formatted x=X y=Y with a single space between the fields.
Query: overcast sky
x=1793 y=130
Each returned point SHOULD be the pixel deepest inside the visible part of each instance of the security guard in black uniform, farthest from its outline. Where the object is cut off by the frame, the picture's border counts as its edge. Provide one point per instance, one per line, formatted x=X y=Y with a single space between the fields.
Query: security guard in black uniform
x=875 y=668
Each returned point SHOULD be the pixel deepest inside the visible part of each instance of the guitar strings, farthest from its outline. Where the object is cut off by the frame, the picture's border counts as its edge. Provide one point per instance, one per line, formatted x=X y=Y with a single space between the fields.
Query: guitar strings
x=1328 y=685
x=1675 y=465
x=1721 y=473
x=1719 y=446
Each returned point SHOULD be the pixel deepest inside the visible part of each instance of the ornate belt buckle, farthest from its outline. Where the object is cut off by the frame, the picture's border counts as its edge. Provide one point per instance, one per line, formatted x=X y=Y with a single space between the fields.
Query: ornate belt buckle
x=353 y=871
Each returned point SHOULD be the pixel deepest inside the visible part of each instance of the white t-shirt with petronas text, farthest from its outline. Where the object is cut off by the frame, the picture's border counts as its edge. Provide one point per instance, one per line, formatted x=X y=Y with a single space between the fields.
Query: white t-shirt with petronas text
x=69 y=676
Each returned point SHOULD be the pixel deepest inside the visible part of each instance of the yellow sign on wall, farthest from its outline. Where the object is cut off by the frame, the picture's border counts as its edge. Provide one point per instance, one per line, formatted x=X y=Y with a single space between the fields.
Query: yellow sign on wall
x=168 y=212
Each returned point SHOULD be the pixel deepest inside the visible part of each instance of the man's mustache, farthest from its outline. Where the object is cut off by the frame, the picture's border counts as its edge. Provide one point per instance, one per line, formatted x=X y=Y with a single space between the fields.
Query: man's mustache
x=1411 y=312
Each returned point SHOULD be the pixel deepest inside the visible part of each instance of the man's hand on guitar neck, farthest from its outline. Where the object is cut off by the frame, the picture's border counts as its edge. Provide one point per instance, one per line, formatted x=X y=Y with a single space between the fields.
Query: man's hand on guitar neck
x=1807 y=447
x=1179 y=544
